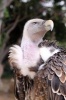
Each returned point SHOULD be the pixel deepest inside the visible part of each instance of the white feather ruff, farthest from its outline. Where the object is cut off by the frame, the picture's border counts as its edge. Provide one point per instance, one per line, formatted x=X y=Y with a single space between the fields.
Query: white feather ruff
x=45 y=52
x=16 y=60
x=15 y=56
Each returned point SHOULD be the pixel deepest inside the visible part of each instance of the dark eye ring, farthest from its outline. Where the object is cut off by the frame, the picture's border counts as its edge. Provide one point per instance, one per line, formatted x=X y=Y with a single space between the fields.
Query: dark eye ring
x=35 y=22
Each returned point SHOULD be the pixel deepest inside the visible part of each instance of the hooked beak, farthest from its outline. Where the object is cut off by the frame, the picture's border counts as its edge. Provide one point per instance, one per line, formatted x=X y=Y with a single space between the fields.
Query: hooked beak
x=48 y=25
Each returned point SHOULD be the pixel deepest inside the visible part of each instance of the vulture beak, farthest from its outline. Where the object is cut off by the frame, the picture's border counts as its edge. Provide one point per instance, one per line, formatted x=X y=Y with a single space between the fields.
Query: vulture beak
x=48 y=25
x=44 y=27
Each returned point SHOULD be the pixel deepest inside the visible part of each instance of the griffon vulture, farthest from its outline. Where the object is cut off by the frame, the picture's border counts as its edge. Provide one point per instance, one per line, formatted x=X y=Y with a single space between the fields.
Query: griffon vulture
x=39 y=66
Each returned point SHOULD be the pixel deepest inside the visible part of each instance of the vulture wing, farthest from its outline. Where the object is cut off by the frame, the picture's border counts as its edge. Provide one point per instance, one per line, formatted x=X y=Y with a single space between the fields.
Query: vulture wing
x=57 y=73
x=50 y=81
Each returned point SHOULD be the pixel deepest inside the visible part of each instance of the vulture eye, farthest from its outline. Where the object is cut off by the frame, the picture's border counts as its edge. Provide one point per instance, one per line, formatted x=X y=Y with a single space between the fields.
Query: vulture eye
x=35 y=22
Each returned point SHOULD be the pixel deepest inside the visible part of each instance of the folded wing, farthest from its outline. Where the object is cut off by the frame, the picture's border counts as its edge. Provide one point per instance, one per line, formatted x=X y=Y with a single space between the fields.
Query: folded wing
x=55 y=67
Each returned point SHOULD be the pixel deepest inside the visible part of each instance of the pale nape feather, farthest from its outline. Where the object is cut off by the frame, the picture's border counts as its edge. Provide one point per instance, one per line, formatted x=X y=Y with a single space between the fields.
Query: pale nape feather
x=46 y=53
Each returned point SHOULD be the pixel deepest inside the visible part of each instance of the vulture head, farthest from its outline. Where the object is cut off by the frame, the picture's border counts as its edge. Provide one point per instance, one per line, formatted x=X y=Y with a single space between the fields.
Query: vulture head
x=35 y=29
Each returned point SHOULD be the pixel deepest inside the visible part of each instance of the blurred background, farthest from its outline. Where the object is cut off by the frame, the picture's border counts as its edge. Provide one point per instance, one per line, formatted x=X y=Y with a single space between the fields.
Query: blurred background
x=13 y=15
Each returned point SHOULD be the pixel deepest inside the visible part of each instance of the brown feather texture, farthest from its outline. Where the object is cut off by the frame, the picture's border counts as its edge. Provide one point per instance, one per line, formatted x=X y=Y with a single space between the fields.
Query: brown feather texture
x=56 y=70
